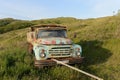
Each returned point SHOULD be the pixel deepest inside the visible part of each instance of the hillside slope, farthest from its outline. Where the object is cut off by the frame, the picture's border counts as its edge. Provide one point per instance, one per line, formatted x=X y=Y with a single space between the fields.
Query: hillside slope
x=99 y=38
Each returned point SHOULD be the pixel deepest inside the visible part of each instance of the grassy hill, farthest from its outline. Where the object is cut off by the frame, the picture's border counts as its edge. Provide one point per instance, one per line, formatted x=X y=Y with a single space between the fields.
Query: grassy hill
x=99 y=38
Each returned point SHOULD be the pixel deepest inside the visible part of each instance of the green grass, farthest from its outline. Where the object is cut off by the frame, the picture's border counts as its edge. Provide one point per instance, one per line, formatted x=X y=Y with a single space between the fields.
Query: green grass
x=99 y=39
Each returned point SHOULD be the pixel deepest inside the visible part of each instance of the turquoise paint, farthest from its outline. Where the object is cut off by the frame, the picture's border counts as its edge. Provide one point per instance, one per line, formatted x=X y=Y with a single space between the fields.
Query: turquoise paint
x=62 y=43
x=75 y=46
x=38 y=49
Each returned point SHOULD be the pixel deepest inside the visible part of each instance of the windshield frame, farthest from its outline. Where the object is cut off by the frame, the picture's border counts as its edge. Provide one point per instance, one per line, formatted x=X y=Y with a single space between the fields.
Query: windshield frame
x=63 y=35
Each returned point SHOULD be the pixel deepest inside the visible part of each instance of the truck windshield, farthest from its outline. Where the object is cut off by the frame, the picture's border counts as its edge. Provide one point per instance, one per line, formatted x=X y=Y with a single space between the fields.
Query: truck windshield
x=51 y=33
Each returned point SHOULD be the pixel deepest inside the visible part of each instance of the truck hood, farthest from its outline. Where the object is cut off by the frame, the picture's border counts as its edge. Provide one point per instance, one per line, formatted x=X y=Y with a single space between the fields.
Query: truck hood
x=54 y=41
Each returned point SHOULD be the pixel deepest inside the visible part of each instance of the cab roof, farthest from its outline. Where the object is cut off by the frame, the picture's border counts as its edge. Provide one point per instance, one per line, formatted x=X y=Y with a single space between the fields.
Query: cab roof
x=48 y=26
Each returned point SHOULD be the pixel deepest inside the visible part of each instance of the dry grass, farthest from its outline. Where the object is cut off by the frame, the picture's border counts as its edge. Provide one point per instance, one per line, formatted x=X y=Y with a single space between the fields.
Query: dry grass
x=100 y=41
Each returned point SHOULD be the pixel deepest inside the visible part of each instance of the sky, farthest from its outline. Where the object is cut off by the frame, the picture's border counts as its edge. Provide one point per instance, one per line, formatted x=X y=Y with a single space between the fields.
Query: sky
x=43 y=9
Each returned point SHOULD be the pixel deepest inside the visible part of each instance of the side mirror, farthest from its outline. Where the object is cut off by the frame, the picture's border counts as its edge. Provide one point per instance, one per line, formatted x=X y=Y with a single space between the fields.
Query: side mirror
x=75 y=35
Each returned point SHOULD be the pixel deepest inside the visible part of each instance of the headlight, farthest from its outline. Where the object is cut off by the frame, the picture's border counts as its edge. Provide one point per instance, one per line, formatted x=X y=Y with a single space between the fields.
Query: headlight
x=42 y=53
x=78 y=53
x=77 y=49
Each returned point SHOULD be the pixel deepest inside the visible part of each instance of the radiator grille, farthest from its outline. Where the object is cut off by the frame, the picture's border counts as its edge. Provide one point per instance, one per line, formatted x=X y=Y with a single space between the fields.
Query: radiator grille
x=60 y=51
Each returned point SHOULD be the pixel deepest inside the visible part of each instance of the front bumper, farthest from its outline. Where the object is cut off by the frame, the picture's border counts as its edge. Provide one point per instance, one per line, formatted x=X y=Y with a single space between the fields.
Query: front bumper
x=42 y=63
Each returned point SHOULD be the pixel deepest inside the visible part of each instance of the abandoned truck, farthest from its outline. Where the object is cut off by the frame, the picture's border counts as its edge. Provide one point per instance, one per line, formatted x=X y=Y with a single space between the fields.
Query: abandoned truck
x=49 y=42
